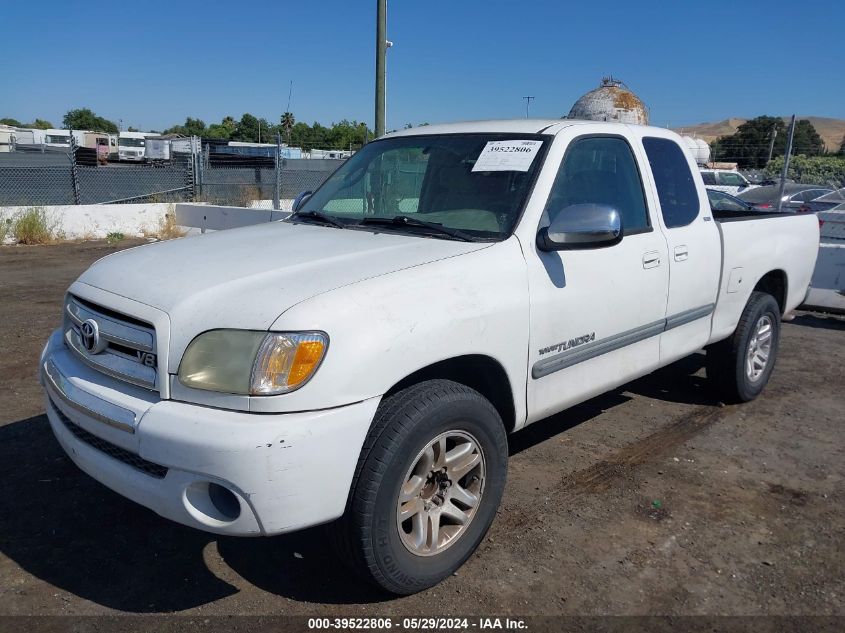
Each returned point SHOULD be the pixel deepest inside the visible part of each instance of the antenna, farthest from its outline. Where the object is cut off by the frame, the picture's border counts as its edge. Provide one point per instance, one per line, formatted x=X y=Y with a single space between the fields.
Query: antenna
x=290 y=92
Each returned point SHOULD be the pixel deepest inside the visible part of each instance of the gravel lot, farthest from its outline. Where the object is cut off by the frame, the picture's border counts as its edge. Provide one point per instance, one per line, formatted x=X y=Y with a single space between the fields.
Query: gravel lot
x=652 y=499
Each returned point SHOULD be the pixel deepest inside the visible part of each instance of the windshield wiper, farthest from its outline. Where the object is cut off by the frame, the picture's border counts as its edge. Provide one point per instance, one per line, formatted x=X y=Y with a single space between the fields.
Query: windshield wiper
x=319 y=216
x=408 y=221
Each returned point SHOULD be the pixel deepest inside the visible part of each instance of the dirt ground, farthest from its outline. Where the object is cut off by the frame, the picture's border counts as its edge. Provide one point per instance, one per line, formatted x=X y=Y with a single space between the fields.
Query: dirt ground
x=651 y=499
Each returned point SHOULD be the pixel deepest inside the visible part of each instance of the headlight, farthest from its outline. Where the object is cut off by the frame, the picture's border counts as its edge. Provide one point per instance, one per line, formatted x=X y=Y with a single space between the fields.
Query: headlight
x=252 y=363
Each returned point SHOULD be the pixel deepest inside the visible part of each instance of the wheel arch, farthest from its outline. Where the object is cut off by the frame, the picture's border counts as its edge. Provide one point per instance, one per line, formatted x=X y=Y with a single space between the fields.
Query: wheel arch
x=775 y=283
x=480 y=372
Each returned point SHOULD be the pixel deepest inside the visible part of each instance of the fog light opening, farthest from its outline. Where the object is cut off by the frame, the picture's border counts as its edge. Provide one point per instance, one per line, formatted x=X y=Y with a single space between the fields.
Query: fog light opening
x=225 y=501
x=211 y=504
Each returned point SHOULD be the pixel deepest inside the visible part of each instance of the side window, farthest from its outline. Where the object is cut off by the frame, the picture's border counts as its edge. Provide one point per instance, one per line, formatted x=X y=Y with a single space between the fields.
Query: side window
x=731 y=179
x=708 y=177
x=600 y=170
x=672 y=176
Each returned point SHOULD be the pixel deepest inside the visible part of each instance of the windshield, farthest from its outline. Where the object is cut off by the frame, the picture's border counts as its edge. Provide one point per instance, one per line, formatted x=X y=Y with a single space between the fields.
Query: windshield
x=131 y=142
x=58 y=140
x=475 y=183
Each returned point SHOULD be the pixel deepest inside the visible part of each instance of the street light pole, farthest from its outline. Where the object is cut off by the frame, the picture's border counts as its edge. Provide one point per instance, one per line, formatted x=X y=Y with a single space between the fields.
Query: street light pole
x=527 y=105
x=381 y=63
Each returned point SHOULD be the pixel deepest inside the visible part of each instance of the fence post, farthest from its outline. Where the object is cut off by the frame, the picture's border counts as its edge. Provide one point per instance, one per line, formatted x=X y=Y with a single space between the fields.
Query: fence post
x=196 y=150
x=278 y=184
x=74 y=176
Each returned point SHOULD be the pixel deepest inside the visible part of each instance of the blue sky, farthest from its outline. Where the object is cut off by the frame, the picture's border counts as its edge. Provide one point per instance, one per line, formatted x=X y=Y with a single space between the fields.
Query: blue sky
x=153 y=63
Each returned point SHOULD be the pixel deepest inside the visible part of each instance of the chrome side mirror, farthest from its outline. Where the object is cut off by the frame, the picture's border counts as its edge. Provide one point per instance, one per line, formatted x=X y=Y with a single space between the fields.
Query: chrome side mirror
x=301 y=197
x=580 y=226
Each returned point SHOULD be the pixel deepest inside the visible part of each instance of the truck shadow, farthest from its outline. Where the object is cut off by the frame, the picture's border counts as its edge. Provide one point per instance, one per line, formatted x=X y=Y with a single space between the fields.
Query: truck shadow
x=820 y=320
x=680 y=382
x=69 y=531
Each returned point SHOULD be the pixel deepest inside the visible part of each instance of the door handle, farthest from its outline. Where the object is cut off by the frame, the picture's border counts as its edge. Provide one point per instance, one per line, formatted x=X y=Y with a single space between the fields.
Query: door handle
x=651 y=259
x=681 y=253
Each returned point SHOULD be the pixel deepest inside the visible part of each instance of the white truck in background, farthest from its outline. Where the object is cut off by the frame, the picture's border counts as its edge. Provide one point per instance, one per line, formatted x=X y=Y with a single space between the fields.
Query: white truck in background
x=363 y=361
x=130 y=146
x=727 y=180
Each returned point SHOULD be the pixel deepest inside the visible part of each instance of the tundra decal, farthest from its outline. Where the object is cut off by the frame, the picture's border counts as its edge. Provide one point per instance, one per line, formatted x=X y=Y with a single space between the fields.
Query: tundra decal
x=573 y=342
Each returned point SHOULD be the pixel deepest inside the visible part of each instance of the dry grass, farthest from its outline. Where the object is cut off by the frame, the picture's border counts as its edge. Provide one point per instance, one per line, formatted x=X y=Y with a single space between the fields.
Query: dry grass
x=33 y=226
x=168 y=229
x=245 y=196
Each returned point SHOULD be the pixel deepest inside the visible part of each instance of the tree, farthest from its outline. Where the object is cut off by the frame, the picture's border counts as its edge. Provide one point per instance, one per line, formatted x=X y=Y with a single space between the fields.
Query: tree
x=842 y=146
x=806 y=140
x=288 y=121
x=39 y=124
x=812 y=170
x=85 y=119
x=132 y=129
x=246 y=129
x=10 y=121
x=749 y=145
x=218 y=130
x=192 y=127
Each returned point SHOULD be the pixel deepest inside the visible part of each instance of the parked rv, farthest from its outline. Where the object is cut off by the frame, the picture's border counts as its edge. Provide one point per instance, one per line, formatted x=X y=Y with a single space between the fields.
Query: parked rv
x=7 y=139
x=57 y=138
x=131 y=146
x=98 y=141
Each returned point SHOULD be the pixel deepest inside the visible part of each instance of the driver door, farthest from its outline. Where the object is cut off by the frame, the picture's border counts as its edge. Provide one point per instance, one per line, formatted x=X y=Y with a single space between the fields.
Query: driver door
x=596 y=313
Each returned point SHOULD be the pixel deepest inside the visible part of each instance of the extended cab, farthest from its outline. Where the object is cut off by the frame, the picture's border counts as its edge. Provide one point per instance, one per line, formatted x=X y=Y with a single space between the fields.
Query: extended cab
x=363 y=361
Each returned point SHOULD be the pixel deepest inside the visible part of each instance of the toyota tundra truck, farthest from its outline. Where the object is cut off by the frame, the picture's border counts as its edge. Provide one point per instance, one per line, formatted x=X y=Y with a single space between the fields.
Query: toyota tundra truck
x=362 y=362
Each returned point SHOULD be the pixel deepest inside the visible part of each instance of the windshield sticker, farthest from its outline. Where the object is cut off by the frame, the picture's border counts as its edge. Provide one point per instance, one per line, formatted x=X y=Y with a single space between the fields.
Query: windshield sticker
x=507 y=156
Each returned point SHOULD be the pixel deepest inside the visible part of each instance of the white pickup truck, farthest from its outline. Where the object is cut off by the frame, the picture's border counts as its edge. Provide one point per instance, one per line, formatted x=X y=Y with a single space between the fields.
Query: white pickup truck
x=363 y=361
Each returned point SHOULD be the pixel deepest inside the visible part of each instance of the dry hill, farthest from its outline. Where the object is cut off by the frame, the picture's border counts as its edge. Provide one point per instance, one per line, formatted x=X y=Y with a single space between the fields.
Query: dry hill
x=831 y=130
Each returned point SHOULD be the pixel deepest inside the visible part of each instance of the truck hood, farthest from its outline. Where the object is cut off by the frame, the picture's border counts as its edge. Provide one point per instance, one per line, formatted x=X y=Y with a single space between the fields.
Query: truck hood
x=245 y=278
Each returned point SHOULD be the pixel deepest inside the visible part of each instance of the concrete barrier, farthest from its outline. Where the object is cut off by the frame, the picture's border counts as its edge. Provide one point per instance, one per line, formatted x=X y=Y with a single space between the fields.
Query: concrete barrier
x=827 y=288
x=216 y=218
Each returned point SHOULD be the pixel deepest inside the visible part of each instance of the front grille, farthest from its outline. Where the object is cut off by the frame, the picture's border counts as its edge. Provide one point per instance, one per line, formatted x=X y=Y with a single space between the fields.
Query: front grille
x=115 y=452
x=125 y=347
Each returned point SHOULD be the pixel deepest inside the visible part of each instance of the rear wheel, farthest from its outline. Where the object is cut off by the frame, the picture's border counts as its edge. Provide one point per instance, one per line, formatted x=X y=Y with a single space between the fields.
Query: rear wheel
x=427 y=487
x=740 y=366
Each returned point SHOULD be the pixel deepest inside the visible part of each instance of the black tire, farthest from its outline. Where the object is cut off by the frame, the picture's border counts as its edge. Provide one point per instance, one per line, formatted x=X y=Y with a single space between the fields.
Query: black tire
x=726 y=360
x=406 y=422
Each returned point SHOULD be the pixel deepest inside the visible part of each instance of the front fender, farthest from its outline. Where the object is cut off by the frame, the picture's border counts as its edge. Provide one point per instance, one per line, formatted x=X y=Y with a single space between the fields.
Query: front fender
x=386 y=328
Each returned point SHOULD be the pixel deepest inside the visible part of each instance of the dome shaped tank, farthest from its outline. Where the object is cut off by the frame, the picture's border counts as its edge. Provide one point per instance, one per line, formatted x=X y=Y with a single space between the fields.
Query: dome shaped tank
x=699 y=148
x=611 y=101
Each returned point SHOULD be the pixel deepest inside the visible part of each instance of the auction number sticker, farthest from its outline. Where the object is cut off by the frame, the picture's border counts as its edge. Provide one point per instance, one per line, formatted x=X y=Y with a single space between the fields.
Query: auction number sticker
x=507 y=156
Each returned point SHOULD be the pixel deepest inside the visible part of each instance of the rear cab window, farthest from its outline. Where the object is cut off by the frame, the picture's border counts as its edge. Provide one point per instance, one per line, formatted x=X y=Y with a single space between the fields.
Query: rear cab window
x=675 y=185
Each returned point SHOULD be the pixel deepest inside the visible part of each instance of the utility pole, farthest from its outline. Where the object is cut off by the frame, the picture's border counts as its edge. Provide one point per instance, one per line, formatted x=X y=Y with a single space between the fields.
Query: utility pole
x=381 y=64
x=786 y=162
x=772 y=143
x=527 y=105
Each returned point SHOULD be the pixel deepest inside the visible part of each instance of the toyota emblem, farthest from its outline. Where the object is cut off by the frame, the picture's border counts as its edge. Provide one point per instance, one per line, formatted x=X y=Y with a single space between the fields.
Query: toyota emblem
x=90 y=335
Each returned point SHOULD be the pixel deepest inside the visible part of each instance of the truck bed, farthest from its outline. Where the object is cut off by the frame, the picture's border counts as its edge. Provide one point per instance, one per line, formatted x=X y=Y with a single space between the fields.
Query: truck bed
x=754 y=246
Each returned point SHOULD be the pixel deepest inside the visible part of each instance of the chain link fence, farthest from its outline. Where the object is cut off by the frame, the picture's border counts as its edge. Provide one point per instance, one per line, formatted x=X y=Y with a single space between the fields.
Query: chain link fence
x=65 y=177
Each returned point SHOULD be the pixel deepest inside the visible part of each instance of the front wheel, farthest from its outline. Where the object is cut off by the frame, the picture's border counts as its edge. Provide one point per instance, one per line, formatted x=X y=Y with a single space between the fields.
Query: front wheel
x=427 y=487
x=740 y=366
